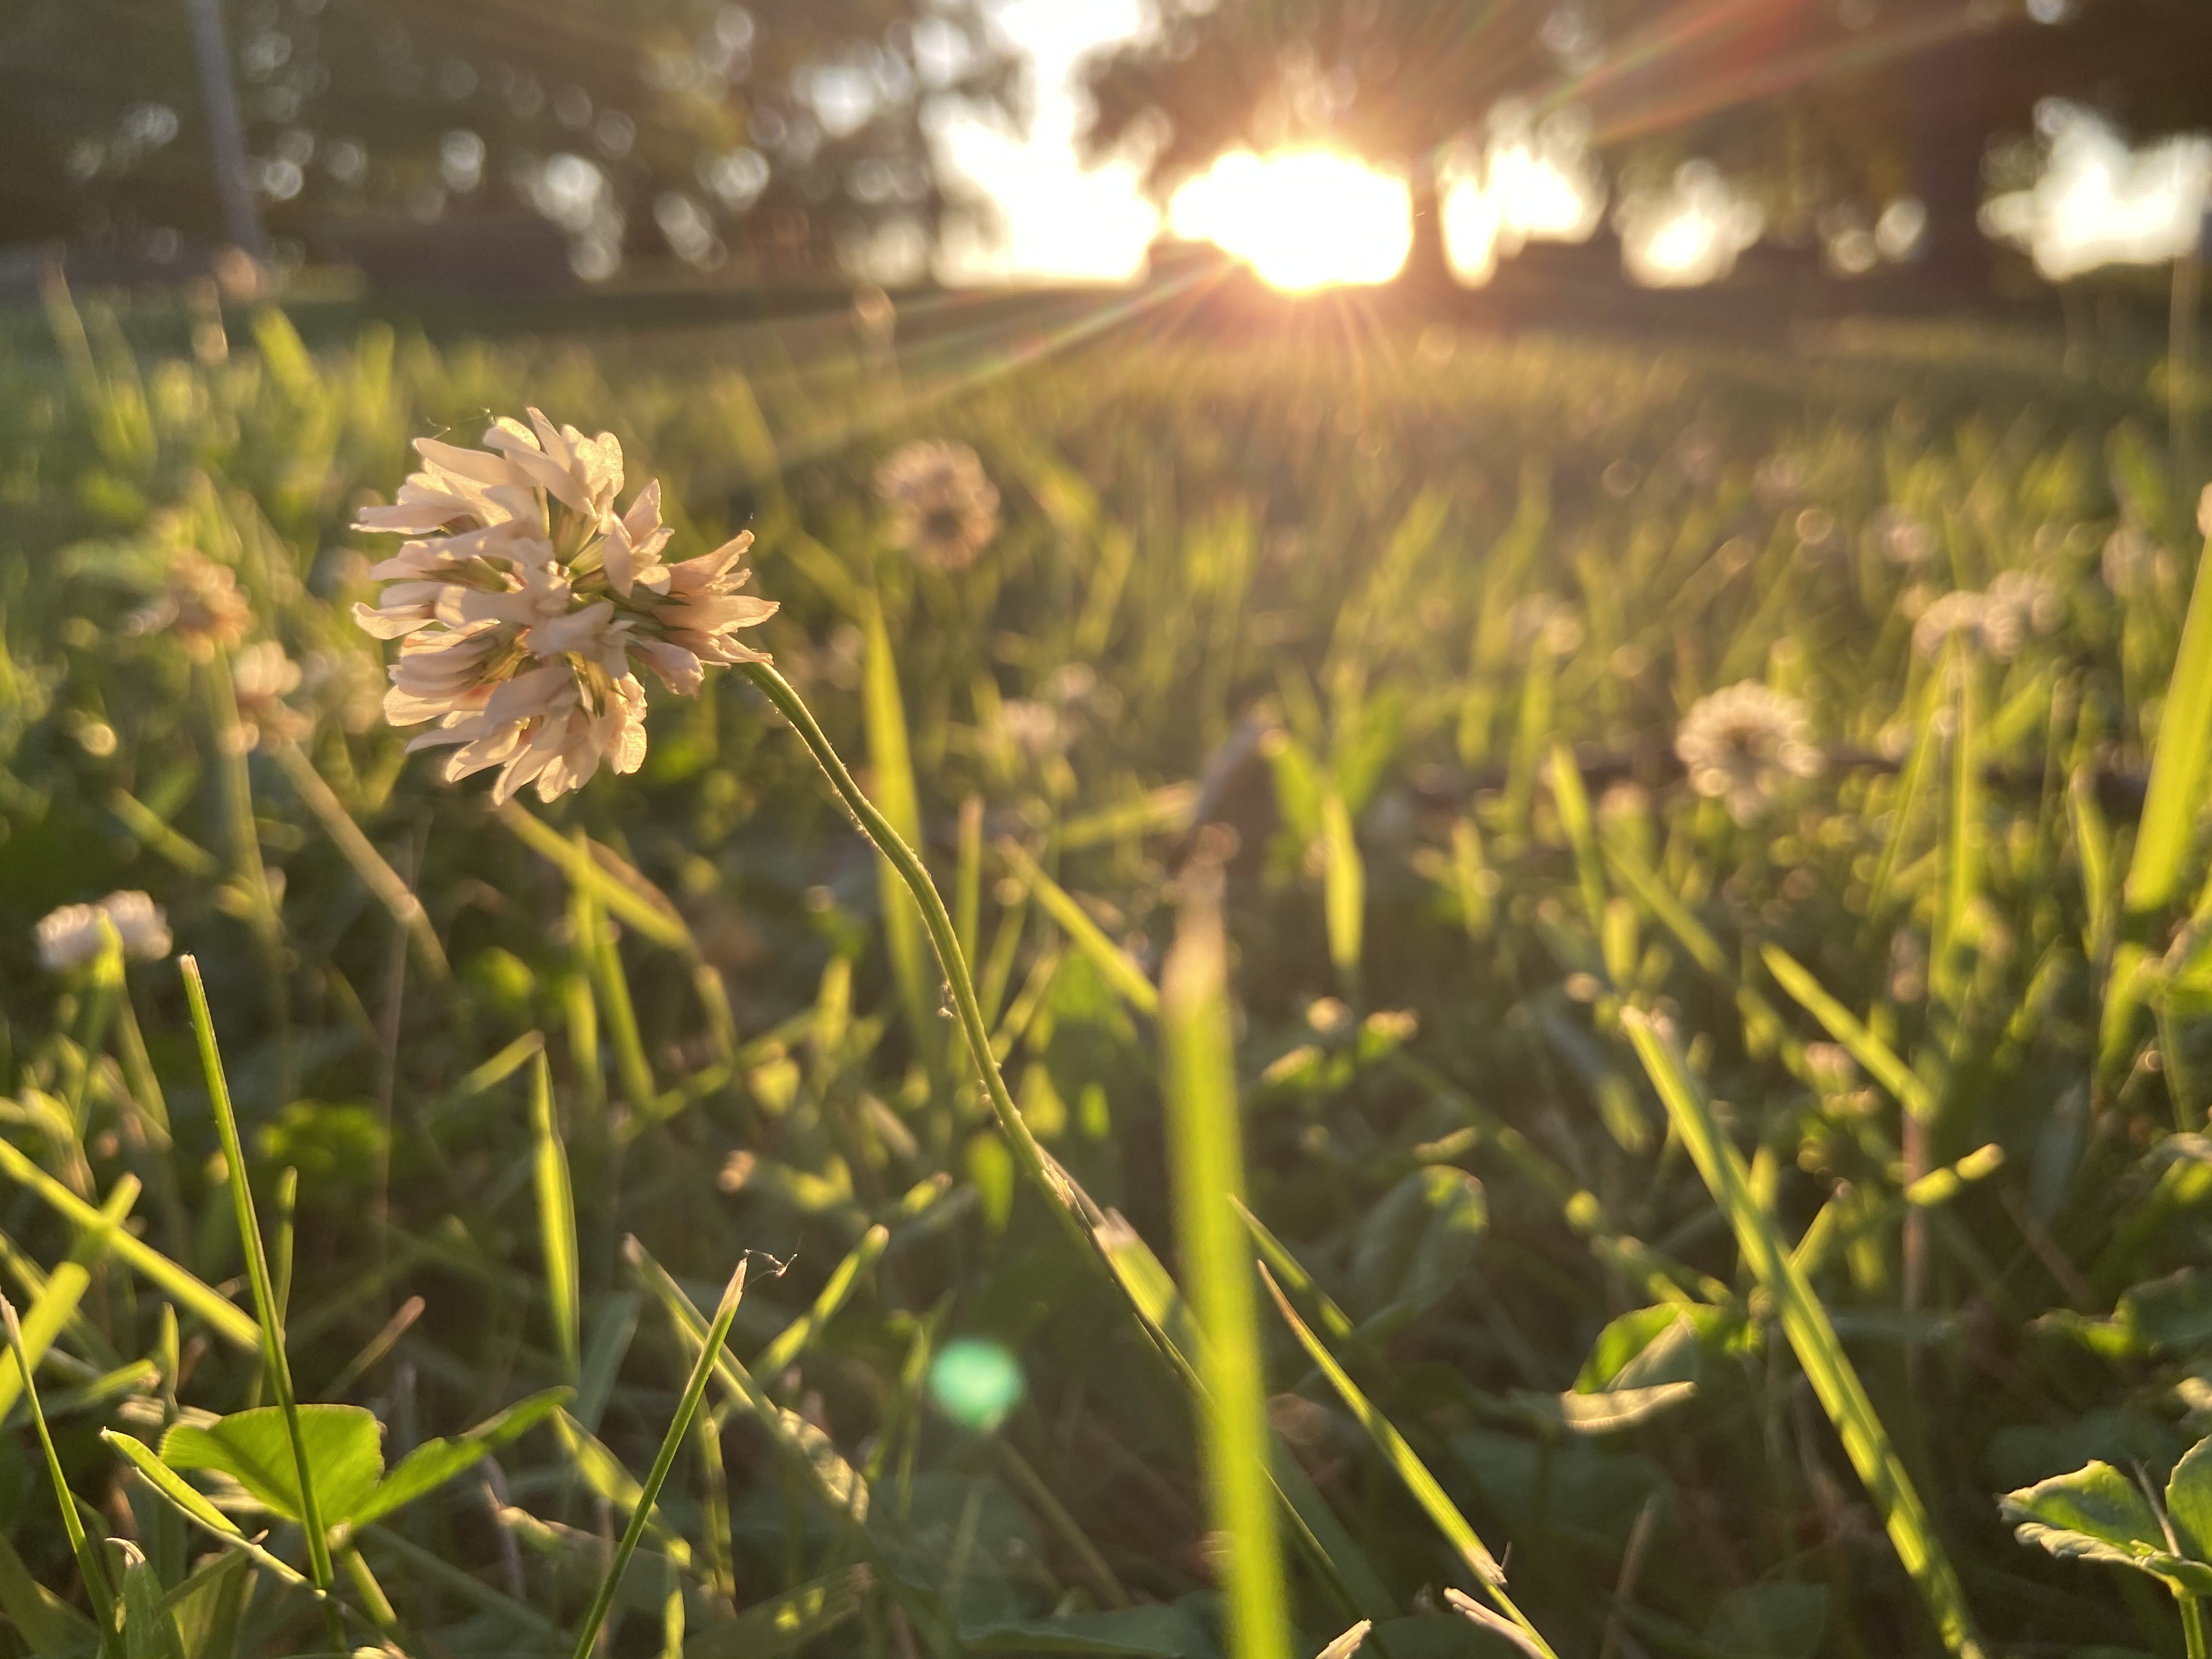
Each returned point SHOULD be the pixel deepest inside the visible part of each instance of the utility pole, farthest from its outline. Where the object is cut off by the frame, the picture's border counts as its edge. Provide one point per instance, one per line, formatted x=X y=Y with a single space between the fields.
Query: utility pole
x=241 y=219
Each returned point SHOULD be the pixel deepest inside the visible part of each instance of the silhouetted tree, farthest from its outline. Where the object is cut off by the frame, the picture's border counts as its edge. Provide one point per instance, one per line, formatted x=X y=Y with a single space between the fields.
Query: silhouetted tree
x=785 y=133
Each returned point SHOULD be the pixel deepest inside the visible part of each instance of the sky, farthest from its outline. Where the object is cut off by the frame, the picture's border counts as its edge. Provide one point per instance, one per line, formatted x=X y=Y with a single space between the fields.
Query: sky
x=1059 y=221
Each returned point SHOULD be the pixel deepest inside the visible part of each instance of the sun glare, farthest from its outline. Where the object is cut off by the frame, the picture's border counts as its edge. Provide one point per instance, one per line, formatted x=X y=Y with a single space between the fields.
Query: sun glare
x=1301 y=219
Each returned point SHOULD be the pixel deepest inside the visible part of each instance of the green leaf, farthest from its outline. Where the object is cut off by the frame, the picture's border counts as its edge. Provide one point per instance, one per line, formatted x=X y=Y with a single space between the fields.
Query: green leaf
x=1419 y=1240
x=1667 y=1342
x=2188 y=1501
x=208 y=1606
x=434 y=1463
x=2094 y=1513
x=1147 y=1632
x=839 y=1482
x=344 y=1446
x=1601 y=1413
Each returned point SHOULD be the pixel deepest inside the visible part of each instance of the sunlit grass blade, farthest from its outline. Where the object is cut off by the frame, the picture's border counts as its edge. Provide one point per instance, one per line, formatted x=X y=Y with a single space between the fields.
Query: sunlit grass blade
x=1205 y=1159
x=1406 y=1465
x=2176 y=789
x=1881 y=1062
x=587 y=1633
x=890 y=769
x=1572 y=802
x=56 y=1300
x=193 y=1294
x=1111 y=961
x=1805 y=1321
x=1344 y=892
x=1962 y=850
x=581 y=863
x=277 y=1365
x=88 y=1558
x=557 y=1218
x=602 y=960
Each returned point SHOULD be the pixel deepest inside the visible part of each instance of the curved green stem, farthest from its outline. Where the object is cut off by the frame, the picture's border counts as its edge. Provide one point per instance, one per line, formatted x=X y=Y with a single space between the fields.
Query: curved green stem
x=1027 y=1153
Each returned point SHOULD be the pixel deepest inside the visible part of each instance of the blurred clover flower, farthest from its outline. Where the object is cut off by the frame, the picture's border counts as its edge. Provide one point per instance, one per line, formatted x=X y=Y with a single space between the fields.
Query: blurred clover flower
x=1742 y=744
x=262 y=677
x=201 y=608
x=71 y=936
x=2018 y=602
x=944 y=510
x=522 y=598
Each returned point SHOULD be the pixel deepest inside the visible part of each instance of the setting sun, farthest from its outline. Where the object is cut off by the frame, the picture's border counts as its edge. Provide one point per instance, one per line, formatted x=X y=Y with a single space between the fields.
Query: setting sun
x=1301 y=219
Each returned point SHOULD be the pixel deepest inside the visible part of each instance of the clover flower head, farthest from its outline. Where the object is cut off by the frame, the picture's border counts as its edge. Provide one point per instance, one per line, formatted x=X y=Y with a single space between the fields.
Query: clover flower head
x=1743 y=743
x=524 y=603
x=944 y=510
x=71 y=937
x=200 y=607
x=261 y=678
x=2019 y=602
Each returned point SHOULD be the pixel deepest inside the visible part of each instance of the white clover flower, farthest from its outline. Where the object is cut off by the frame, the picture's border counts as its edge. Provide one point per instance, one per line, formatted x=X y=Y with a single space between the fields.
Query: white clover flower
x=523 y=602
x=2018 y=603
x=71 y=937
x=1904 y=536
x=944 y=510
x=261 y=678
x=1952 y=613
x=1742 y=744
x=201 y=608
x=1031 y=728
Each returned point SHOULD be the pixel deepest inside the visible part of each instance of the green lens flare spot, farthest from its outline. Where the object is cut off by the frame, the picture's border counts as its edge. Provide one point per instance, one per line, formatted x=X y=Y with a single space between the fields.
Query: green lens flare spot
x=976 y=1382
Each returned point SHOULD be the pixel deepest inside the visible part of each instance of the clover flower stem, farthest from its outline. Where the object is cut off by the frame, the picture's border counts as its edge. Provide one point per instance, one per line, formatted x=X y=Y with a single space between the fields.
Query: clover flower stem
x=903 y=859
x=2192 y=1626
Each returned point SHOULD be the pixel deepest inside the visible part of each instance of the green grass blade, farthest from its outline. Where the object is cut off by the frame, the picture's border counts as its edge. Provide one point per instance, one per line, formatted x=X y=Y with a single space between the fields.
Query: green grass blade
x=277 y=1366
x=582 y=866
x=194 y=1295
x=56 y=1300
x=1962 y=852
x=1207 y=1162
x=891 y=764
x=1572 y=802
x=557 y=1218
x=1344 y=892
x=1406 y=1465
x=2178 y=760
x=88 y=1558
x=968 y=880
x=1881 y=1060
x=1111 y=961
x=603 y=961
x=587 y=1633
x=1819 y=1352
x=375 y=872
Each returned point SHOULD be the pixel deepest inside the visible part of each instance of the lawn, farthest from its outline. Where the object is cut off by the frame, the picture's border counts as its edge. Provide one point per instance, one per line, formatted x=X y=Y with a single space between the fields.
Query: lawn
x=1703 y=1152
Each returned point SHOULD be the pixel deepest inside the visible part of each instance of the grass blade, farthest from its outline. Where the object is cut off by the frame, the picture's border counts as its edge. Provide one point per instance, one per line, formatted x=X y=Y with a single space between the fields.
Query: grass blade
x=1344 y=891
x=1881 y=1060
x=277 y=1365
x=587 y=1633
x=1207 y=1161
x=1443 y=1513
x=1111 y=961
x=556 y=1217
x=2177 y=760
x=1805 y=1322
x=88 y=1558
x=65 y=1288
x=891 y=765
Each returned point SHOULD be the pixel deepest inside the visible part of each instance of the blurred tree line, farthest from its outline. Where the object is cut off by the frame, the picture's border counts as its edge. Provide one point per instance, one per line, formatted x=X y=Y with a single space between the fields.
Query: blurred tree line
x=781 y=134
x=1826 y=106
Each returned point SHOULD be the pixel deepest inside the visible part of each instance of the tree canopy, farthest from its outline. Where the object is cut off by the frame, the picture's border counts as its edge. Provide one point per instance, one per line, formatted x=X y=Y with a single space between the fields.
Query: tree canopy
x=1817 y=104
x=786 y=133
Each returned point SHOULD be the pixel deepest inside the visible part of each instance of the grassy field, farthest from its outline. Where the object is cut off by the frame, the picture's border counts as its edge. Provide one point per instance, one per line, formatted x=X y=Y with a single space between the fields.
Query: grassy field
x=1689 y=1195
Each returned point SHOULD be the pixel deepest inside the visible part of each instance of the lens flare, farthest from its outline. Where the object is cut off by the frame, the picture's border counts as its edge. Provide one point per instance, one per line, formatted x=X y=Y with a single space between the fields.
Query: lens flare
x=1301 y=219
x=976 y=1382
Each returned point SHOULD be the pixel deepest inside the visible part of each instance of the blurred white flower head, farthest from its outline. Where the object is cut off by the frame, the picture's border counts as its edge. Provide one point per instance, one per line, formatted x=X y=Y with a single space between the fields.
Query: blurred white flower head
x=2019 y=602
x=523 y=601
x=1903 y=535
x=261 y=678
x=71 y=937
x=944 y=510
x=201 y=608
x=1743 y=743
